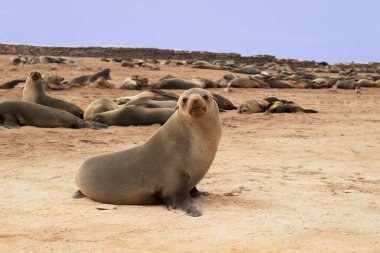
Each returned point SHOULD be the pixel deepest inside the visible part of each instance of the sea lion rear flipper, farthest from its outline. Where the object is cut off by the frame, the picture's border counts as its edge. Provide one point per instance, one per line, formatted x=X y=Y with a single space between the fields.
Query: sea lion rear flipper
x=310 y=111
x=11 y=123
x=78 y=195
x=166 y=93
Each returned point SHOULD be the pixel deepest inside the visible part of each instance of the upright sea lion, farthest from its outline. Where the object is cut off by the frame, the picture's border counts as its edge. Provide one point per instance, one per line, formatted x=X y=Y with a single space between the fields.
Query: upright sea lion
x=87 y=79
x=34 y=92
x=167 y=167
x=133 y=116
x=98 y=106
x=14 y=114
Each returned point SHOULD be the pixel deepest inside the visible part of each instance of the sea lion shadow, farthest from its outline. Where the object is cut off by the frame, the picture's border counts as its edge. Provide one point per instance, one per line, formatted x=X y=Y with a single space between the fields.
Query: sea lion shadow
x=219 y=201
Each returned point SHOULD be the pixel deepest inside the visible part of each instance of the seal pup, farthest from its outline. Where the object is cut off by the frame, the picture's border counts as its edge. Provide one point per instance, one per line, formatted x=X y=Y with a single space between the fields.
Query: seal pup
x=165 y=169
x=133 y=116
x=34 y=92
x=14 y=114
x=98 y=106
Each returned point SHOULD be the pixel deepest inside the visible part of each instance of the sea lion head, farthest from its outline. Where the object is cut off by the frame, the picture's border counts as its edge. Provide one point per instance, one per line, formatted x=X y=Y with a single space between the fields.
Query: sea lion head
x=35 y=75
x=196 y=103
x=243 y=108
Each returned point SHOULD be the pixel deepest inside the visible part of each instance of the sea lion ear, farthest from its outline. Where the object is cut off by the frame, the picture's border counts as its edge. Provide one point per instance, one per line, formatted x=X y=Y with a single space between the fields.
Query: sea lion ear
x=176 y=108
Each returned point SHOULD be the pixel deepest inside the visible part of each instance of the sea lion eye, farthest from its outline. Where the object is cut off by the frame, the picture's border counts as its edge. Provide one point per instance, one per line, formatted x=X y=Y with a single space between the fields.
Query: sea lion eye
x=184 y=100
x=205 y=97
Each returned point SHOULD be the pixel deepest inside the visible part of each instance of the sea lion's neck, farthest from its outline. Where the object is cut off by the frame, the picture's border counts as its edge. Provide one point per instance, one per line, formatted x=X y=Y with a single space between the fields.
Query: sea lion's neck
x=34 y=87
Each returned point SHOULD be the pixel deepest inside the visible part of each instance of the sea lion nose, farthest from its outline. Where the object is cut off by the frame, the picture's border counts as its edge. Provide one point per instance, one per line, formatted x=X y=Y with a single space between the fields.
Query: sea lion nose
x=34 y=75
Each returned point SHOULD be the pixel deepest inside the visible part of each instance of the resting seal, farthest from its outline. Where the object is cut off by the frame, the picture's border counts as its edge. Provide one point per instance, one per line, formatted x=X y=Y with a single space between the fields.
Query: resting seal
x=133 y=116
x=98 y=106
x=14 y=114
x=34 y=92
x=184 y=84
x=87 y=79
x=253 y=106
x=164 y=169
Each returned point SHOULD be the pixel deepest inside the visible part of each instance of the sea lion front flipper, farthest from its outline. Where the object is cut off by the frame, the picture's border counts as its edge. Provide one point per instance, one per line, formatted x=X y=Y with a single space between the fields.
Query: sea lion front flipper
x=176 y=196
x=194 y=193
x=11 y=123
x=78 y=195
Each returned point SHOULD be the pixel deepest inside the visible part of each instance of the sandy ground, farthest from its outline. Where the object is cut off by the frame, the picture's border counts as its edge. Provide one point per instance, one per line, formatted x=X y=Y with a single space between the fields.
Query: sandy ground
x=279 y=183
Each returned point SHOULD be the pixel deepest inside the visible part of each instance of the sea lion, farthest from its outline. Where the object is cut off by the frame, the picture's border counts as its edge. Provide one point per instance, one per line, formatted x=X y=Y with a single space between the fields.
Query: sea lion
x=253 y=106
x=247 y=83
x=287 y=107
x=12 y=84
x=101 y=82
x=279 y=84
x=34 y=92
x=134 y=83
x=98 y=106
x=87 y=79
x=167 y=167
x=54 y=82
x=178 y=83
x=133 y=116
x=245 y=70
x=154 y=94
x=347 y=84
x=223 y=103
x=14 y=114
x=204 y=65
x=150 y=103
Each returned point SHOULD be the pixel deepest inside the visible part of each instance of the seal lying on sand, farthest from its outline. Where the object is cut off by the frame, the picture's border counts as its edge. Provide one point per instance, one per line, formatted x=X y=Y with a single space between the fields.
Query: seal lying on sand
x=12 y=84
x=34 y=92
x=184 y=84
x=287 y=107
x=253 y=106
x=98 y=106
x=167 y=167
x=14 y=114
x=133 y=116
x=87 y=79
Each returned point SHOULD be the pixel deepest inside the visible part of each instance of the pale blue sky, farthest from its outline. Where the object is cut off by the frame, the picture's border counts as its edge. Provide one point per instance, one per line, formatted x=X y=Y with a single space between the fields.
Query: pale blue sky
x=323 y=30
